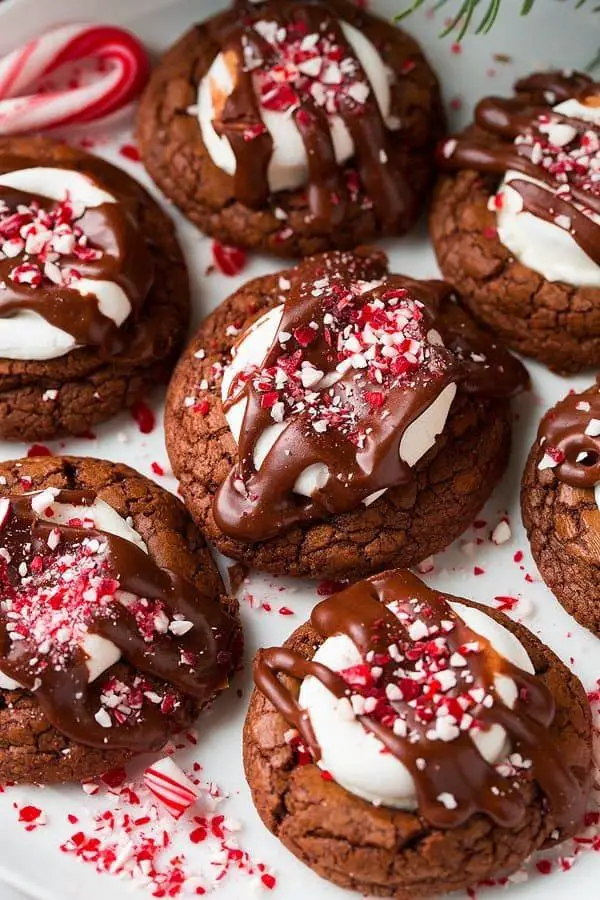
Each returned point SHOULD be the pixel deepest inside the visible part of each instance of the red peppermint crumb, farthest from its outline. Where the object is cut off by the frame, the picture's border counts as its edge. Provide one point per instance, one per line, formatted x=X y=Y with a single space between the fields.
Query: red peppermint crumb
x=229 y=260
x=286 y=611
x=305 y=335
x=216 y=826
x=594 y=696
x=375 y=399
x=477 y=570
x=544 y=866
x=144 y=416
x=269 y=399
x=130 y=151
x=555 y=454
x=518 y=557
x=202 y=407
x=73 y=820
x=280 y=98
x=357 y=676
x=456 y=48
x=157 y=468
x=39 y=450
x=29 y=814
x=268 y=881
x=254 y=131
x=505 y=604
x=115 y=777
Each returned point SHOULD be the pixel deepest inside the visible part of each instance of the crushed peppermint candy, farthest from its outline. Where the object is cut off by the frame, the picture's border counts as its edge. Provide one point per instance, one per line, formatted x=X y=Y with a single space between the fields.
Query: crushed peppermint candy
x=46 y=244
x=551 y=459
x=434 y=684
x=375 y=333
x=303 y=65
x=130 y=835
x=63 y=588
x=569 y=154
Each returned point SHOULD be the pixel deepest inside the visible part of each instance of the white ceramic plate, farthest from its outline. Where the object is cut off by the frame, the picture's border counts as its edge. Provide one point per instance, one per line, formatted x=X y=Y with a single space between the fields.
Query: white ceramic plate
x=555 y=34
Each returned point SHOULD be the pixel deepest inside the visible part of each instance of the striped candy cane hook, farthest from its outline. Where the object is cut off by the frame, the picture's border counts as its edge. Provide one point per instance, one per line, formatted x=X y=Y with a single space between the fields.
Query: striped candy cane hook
x=123 y=71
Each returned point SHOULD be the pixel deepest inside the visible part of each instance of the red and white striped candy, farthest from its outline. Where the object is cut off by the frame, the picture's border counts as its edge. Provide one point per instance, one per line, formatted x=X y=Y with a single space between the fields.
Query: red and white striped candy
x=170 y=786
x=123 y=70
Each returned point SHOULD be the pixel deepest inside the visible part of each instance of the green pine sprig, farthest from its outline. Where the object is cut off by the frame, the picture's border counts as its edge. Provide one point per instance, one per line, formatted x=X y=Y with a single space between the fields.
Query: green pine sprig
x=464 y=20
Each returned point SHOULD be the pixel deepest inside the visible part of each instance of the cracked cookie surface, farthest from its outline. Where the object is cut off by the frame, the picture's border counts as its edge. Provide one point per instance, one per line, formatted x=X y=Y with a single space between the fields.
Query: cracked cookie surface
x=40 y=400
x=384 y=852
x=31 y=749
x=175 y=156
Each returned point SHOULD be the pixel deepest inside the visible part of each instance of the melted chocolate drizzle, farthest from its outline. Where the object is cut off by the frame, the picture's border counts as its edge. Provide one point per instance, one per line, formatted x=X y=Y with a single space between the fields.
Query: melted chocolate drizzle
x=562 y=434
x=126 y=260
x=456 y=766
x=385 y=183
x=255 y=505
x=489 y=148
x=193 y=665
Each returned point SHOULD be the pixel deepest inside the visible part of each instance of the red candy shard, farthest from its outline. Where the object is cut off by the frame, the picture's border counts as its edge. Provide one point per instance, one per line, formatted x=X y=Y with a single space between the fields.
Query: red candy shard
x=305 y=336
x=130 y=151
x=115 y=777
x=29 y=814
x=144 y=416
x=505 y=604
x=39 y=450
x=229 y=260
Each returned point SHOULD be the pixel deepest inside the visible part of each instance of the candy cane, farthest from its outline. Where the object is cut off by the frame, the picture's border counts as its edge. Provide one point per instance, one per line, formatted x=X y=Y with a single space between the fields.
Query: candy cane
x=122 y=62
x=170 y=786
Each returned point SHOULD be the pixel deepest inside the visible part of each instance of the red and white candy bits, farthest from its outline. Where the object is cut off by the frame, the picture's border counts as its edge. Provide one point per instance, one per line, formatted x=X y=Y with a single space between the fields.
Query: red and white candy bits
x=122 y=71
x=170 y=786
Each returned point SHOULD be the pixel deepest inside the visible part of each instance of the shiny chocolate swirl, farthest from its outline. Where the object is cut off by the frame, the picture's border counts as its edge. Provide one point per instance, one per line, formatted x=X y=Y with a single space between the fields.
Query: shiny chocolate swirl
x=72 y=253
x=66 y=587
x=352 y=366
x=240 y=35
x=405 y=629
x=559 y=184
x=569 y=438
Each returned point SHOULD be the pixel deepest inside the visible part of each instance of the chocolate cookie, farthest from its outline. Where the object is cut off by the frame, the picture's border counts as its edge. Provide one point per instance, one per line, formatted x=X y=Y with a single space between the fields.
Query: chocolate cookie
x=293 y=127
x=372 y=417
x=516 y=221
x=560 y=502
x=364 y=750
x=94 y=300
x=114 y=627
